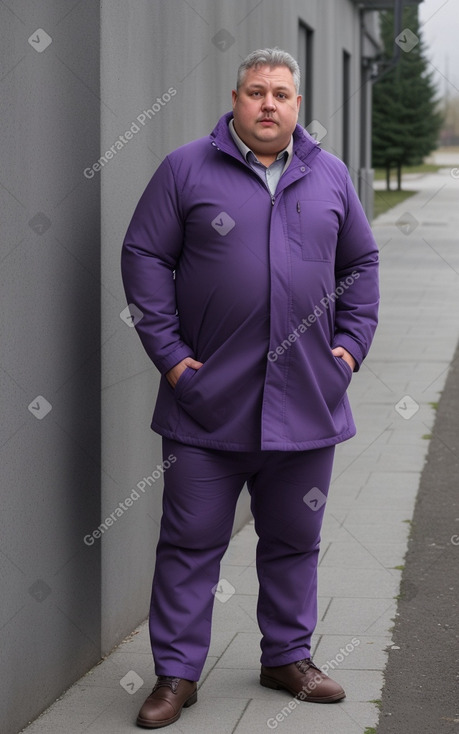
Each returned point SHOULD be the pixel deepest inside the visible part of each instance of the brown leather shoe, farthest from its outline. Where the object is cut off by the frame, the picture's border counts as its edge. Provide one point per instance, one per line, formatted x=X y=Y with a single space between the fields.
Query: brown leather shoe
x=304 y=680
x=164 y=704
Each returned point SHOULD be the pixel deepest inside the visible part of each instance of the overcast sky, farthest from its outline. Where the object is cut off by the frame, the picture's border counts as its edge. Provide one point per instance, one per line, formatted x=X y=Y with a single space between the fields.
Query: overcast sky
x=440 y=32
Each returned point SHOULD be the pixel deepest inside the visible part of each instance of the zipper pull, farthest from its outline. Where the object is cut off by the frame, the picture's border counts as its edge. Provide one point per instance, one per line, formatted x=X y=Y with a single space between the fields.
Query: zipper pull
x=273 y=199
x=298 y=207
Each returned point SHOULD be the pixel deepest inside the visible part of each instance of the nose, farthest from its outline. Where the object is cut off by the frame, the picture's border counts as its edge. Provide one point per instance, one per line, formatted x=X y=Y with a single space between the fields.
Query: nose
x=268 y=102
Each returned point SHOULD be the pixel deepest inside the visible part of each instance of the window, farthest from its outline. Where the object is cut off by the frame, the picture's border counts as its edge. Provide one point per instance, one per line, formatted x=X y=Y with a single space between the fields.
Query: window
x=305 y=61
x=346 y=108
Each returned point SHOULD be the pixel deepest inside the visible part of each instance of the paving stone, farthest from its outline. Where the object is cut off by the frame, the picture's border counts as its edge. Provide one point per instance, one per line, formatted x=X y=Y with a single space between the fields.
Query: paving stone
x=222 y=683
x=358 y=616
x=345 y=717
x=374 y=583
x=369 y=654
x=349 y=554
x=242 y=652
x=238 y=614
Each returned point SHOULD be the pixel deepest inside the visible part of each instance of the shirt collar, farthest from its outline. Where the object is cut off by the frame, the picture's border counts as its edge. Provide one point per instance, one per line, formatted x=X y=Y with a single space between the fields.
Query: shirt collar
x=245 y=150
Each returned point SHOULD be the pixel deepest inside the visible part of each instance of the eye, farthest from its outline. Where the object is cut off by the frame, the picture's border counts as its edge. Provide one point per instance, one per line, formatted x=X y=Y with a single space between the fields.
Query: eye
x=281 y=95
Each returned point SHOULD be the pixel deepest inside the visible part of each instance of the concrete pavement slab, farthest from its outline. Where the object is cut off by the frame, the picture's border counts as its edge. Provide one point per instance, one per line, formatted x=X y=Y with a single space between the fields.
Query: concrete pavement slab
x=374 y=583
x=349 y=554
x=386 y=554
x=367 y=652
x=421 y=680
x=345 y=717
x=352 y=616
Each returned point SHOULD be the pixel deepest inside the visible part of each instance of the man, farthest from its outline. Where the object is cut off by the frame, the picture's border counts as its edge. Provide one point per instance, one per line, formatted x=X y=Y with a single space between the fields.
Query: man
x=255 y=270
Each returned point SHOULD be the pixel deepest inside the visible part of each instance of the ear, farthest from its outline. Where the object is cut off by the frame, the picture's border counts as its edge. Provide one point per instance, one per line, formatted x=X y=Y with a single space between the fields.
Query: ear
x=234 y=97
x=298 y=102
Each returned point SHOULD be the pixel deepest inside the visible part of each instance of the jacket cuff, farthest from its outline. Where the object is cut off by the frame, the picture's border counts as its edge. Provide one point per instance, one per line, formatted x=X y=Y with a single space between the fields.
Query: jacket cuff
x=351 y=346
x=164 y=364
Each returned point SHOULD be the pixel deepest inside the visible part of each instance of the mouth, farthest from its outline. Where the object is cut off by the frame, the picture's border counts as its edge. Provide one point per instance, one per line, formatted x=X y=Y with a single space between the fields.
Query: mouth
x=267 y=121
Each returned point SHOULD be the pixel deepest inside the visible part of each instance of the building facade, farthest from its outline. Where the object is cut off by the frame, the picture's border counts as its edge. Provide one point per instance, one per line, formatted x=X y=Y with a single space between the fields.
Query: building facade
x=94 y=96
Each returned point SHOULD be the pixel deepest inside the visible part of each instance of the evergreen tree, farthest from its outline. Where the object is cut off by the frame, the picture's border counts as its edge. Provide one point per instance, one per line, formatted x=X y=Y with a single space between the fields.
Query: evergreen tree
x=406 y=122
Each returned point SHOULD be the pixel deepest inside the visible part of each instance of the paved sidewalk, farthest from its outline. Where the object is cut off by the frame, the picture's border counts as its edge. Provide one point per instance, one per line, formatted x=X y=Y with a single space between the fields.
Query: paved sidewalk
x=366 y=528
x=420 y=693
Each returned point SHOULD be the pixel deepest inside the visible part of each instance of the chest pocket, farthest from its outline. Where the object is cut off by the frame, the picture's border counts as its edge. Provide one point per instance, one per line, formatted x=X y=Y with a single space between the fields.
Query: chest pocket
x=313 y=227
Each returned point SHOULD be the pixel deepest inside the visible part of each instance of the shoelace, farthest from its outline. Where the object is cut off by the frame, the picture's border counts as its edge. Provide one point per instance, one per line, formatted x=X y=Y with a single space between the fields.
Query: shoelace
x=167 y=680
x=304 y=665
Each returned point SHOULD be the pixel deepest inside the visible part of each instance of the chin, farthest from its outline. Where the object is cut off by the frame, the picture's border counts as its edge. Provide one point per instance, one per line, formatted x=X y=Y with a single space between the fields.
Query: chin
x=272 y=132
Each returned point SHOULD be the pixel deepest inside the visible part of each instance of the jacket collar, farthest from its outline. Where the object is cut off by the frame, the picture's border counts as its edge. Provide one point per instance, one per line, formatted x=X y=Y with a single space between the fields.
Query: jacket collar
x=304 y=145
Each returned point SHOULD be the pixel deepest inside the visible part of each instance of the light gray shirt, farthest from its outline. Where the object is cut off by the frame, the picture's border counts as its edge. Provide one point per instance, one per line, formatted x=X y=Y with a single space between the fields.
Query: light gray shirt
x=269 y=174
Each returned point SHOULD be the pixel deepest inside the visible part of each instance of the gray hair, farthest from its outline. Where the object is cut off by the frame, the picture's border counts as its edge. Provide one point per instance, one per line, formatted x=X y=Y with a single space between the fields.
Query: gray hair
x=271 y=57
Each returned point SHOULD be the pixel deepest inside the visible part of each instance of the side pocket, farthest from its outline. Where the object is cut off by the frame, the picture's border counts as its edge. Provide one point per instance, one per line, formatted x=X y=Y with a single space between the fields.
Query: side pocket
x=335 y=386
x=182 y=382
x=199 y=400
x=347 y=367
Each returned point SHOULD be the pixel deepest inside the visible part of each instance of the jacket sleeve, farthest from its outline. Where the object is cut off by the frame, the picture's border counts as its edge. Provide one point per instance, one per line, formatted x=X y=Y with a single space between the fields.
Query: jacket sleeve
x=150 y=252
x=357 y=284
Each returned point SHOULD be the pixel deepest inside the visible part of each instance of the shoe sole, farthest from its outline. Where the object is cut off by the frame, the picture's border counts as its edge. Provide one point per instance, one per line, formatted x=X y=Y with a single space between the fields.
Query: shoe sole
x=277 y=685
x=158 y=724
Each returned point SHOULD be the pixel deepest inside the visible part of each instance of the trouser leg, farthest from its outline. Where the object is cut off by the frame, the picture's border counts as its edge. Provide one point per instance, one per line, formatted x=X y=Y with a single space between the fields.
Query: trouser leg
x=201 y=489
x=288 y=521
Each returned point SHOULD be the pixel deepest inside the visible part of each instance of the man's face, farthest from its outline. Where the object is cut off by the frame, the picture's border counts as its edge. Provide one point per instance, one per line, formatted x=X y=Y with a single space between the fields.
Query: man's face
x=266 y=109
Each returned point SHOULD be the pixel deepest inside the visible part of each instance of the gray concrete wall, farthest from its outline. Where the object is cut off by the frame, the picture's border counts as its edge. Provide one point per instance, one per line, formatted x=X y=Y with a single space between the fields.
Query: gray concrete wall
x=70 y=600
x=50 y=356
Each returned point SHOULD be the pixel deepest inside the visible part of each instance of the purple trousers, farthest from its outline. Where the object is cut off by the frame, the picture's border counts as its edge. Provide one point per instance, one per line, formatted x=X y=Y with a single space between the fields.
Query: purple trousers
x=288 y=492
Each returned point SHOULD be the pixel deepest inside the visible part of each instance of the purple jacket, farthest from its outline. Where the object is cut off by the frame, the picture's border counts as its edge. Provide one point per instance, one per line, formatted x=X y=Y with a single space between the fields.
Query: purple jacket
x=258 y=288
